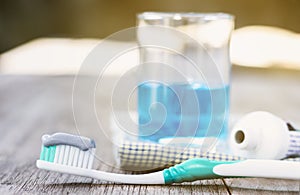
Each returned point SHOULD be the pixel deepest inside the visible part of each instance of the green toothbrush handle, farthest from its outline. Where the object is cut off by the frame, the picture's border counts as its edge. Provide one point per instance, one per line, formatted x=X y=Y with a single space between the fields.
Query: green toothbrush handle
x=192 y=170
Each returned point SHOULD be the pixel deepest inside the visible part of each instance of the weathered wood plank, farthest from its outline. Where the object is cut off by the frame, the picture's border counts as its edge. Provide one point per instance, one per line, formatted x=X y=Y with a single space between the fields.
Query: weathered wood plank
x=33 y=105
x=43 y=105
x=27 y=178
x=261 y=185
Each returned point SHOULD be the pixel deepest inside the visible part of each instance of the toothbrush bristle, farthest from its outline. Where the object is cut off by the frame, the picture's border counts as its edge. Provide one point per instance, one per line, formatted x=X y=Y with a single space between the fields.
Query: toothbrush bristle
x=68 y=155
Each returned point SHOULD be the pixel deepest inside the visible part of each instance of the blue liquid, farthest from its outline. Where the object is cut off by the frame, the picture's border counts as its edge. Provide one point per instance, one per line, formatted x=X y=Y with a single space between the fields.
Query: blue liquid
x=183 y=110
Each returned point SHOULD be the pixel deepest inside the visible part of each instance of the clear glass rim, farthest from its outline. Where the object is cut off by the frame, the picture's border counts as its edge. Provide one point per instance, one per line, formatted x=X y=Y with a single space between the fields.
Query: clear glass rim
x=179 y=15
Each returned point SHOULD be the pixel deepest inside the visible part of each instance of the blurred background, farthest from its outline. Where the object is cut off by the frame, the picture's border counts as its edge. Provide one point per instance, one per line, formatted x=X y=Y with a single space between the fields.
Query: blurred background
x=266 y=31
x=21 y=20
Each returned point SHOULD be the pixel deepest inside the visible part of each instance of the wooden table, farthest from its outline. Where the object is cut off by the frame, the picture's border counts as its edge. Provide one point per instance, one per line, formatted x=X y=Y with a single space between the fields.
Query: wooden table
x=34 y=105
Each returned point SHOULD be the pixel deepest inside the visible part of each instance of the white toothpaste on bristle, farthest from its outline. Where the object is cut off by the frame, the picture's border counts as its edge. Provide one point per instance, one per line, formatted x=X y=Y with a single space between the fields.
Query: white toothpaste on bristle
x=83 y=143
x=262 y=135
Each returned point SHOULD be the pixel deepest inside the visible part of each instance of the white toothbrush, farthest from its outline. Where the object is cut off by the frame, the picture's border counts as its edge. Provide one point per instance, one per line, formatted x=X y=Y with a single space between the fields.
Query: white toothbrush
x=77 y=158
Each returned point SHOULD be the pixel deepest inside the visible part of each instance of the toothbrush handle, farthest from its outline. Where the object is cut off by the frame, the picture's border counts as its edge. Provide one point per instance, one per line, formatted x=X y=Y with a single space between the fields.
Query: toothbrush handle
x=151 y=178
x=260 y=168
x=193 y=169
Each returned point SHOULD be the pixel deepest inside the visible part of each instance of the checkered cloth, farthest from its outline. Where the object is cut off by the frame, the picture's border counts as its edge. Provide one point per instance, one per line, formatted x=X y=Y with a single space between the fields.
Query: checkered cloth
x=141 y=156
x=294 y=143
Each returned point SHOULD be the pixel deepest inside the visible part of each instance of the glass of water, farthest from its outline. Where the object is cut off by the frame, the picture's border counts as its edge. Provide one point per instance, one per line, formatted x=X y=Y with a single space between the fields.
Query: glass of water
x=184 y=76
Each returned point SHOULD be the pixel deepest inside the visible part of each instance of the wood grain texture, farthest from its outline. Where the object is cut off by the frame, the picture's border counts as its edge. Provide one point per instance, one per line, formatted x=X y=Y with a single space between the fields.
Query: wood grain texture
x=263 y=186
x=34 y=105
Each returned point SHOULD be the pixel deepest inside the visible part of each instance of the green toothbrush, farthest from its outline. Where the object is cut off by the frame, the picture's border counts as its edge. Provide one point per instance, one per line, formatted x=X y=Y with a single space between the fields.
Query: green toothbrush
x=73 y=154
